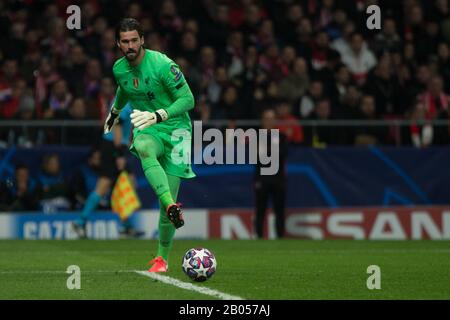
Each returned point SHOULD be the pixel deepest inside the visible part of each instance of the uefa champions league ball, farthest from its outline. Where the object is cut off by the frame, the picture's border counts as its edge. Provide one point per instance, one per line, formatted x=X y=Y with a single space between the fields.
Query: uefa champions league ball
x=199 y=264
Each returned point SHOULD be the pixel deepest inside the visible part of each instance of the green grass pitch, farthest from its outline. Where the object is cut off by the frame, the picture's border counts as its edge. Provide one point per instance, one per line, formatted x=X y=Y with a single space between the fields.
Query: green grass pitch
x=263 y=269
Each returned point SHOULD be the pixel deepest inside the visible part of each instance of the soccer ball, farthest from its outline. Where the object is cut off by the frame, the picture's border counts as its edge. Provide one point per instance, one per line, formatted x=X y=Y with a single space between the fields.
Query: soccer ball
x=199 y=264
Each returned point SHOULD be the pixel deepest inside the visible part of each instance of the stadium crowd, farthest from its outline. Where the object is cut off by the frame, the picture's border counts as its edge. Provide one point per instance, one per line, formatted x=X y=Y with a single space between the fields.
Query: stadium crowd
x=307 y=59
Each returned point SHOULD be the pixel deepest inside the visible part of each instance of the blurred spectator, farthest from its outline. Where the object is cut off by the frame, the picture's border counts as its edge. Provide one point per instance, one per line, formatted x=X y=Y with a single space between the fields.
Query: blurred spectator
x=287 y=27
x=265 y=35
x=58 y=101
x=154 y=42
x=252 y=19
x=75 y=135
x=217 y=84
x=134 y=10
x=169 y=22
x=409 y=55
x=53 y=190
x=321 y=51
x=335 y=28
x=26 y=136
x=218 y=27
x=443 y=16
x=45 y=76
x=228 y=107
x=341 y=82
x=189 y=47
x=324 y=15
x=191 y=74
x=359 y=59
x=288 y=56
x=8 y=78
x=308 y=101
x=84 y=181
x=418 y=134
x=17 y=45
x=99 y=106
x=407 y=89
x=32 y=56
x=57 y=43
x=369 y=135
x=108 y=50
x=443 y=54
x=342 y=43
x=434 y=99
x=422 y=79
x=92 y=40
x=234 y=54
x=90 y=10
x=350 y=103
x=415 y=29
x=73 y=70
x=297 y=82
x=18 y=193
x=383 y=86
x=289 y=123
x=10 y=107
x=207 y=67
x=304 y=38
x=271 y=63
x=321 y=136
x=431 y=40
x=92 y=78
x=388 y=40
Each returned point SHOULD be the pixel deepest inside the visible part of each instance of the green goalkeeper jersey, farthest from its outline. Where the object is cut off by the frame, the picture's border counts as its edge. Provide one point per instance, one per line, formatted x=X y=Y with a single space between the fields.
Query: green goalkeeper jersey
x=156 y=83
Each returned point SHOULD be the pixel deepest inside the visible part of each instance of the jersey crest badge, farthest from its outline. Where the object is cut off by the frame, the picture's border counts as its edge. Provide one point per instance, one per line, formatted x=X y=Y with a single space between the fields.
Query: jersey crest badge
x=176 y=72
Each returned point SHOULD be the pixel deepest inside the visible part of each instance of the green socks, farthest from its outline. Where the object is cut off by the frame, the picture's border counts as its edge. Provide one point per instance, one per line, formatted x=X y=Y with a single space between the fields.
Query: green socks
x=166 y=228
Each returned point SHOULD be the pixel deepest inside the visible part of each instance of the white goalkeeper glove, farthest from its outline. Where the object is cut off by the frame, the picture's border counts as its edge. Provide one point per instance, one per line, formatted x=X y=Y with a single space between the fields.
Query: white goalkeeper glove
x=144 y=119
x=111 y=120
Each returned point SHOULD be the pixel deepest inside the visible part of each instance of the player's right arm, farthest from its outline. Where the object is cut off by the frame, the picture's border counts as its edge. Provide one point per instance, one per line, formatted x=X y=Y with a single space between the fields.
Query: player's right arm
x=120 y=102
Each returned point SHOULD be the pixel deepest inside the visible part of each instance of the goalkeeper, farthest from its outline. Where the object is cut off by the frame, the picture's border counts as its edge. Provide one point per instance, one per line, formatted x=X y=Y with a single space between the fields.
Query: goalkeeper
x=161 y=99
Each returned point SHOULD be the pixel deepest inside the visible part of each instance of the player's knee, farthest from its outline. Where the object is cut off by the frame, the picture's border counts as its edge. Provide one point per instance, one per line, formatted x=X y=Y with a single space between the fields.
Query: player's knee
x=144 y=150
x=144 y=154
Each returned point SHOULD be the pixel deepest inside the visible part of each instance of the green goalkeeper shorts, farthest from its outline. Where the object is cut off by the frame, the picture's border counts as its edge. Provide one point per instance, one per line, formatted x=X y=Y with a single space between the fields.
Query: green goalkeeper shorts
x=176 y=157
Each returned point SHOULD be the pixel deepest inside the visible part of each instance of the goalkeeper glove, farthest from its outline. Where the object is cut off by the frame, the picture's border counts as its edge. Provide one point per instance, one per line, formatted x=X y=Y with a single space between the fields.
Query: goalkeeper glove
x=144 y=119
x=111 y=120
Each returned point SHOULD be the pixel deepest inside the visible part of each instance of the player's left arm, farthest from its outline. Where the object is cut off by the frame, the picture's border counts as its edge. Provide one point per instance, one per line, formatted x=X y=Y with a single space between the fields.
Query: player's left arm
x=173 y=80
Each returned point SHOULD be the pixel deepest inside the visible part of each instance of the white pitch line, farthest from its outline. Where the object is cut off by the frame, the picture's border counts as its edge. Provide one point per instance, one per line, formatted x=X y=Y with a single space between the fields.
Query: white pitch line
x=61 y=271
x=188 y=286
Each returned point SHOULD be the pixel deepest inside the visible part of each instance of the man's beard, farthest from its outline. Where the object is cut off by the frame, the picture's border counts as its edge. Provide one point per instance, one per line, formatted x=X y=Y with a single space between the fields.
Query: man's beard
x=136 y=54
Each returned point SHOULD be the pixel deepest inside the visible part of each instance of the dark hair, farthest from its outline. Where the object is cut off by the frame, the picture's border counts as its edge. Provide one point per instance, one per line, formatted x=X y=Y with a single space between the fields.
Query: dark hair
x=128 y=24
x=20 y=166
